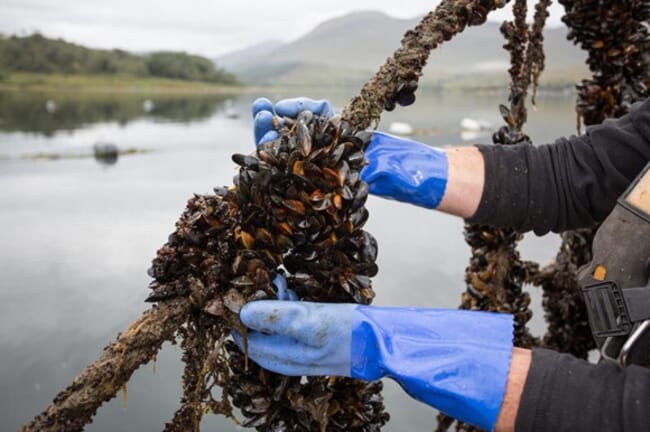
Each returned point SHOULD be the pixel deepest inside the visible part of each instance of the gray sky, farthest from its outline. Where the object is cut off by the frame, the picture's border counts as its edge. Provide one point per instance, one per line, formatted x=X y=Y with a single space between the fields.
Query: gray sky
x=205 y=27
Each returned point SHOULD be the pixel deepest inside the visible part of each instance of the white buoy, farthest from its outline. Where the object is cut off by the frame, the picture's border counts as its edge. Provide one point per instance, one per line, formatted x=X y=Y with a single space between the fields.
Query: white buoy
x=470 y=135
x=231 y=112
x=400 y=128
x=469 y=124
x=147 y=105
x=50 y=106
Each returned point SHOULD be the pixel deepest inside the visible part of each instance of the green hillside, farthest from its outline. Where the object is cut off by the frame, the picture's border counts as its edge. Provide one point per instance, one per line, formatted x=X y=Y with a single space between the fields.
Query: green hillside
x=38 y=54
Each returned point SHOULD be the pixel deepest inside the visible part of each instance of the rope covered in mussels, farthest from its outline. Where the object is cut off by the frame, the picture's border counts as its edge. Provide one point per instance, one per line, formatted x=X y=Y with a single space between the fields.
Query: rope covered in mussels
x=397 y=80
x=616 y=36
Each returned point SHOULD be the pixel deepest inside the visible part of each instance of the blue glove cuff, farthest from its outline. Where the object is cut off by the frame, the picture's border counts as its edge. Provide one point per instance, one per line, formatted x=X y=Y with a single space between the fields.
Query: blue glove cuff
x=405 y=170
x=456 y=361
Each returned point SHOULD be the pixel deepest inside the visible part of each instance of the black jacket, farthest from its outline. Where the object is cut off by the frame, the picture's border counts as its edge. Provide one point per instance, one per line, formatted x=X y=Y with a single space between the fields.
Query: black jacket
x=569 y=184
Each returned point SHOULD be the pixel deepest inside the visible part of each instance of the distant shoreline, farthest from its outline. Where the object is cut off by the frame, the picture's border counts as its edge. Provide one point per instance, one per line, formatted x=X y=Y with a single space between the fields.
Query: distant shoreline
x=41 y=82
x=122 y=84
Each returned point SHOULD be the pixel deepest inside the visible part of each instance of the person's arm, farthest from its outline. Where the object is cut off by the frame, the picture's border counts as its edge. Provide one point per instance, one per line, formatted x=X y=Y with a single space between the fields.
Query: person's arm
x=519 y=366
x=569 y=184
x=466 y=174
x=547 y=391
x=565 y=393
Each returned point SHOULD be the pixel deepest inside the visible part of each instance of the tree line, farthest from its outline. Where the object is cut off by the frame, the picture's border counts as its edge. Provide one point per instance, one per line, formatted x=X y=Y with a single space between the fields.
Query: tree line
x=36 y=53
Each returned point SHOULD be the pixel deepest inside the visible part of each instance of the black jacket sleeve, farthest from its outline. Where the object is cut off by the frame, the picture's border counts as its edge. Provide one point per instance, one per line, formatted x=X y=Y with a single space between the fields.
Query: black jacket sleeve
x=563 y=393
x=569 y=184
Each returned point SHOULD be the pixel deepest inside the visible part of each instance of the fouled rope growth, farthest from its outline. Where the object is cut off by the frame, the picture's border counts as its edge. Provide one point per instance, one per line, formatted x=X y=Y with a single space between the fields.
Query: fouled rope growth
x=297 y=210
x=496 y=273
x=616 y=36
x=75 y=406
x=565 y=312
x=397 y=80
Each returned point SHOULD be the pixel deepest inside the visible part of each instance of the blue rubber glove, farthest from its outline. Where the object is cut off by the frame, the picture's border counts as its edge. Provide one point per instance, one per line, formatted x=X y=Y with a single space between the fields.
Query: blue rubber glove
x=455 y=361
x=283 y=291
x=405 y=170
x=398 y=168
x=266 y=120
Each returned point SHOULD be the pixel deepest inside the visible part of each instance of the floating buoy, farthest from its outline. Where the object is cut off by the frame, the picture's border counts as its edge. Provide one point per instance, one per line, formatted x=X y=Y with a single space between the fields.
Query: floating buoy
x=148 y=105
x=50 y=106
x=231 y=112
x=105 y=153
x=469 y=124
x=400 y=128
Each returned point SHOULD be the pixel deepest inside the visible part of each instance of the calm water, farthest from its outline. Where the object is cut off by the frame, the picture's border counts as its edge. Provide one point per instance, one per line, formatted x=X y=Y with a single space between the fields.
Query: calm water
x=77 y=236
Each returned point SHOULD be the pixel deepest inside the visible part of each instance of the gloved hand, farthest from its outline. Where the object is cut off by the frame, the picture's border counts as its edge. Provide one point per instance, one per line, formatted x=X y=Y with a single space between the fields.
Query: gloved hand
x=283 y=291
x=266 y=120
x=398 y=168
x=455 y=361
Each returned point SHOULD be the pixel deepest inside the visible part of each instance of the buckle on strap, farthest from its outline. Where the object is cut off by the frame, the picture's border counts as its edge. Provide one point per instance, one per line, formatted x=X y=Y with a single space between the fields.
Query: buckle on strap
x=615 y=313
x=608 y=315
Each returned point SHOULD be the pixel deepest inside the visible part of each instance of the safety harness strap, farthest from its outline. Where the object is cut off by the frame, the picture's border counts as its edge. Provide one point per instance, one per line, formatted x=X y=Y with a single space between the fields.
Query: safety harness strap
x=613 y=311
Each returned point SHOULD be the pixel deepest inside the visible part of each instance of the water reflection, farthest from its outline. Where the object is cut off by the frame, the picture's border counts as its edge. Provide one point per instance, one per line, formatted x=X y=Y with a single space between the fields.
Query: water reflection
x=46 y=113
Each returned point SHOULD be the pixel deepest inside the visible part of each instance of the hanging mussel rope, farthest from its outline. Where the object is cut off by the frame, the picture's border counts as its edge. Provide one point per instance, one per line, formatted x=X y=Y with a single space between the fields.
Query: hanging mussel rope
x=616 y=36
x=297 y=208
x=496 y=273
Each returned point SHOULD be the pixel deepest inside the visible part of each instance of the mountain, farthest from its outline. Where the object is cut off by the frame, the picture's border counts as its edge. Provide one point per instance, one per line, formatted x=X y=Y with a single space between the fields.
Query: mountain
x=347 y=50
x=249 y=54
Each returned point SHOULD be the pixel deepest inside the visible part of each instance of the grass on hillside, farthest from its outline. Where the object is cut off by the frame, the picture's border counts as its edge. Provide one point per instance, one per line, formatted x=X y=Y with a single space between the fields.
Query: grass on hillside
x=107 y=83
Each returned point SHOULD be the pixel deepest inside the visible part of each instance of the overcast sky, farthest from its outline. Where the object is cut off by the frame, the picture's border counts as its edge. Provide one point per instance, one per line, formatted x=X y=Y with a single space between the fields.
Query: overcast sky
x=207 y=27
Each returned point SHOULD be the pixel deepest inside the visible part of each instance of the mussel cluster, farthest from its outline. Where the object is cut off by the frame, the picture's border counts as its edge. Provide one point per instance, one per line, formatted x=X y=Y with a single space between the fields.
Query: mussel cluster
x=273 y=402
x=197 y=260
x=404 y=93
x=516 y=35
x=303 y=204
x=495 y=276
x=509 y=133
x=616 y=36
x=524 y=42
x=565 y=311
x=297 y=209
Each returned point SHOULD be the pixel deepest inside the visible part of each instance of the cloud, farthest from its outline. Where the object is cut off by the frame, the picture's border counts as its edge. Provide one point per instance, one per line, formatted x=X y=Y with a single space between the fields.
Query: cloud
x=207 y=27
